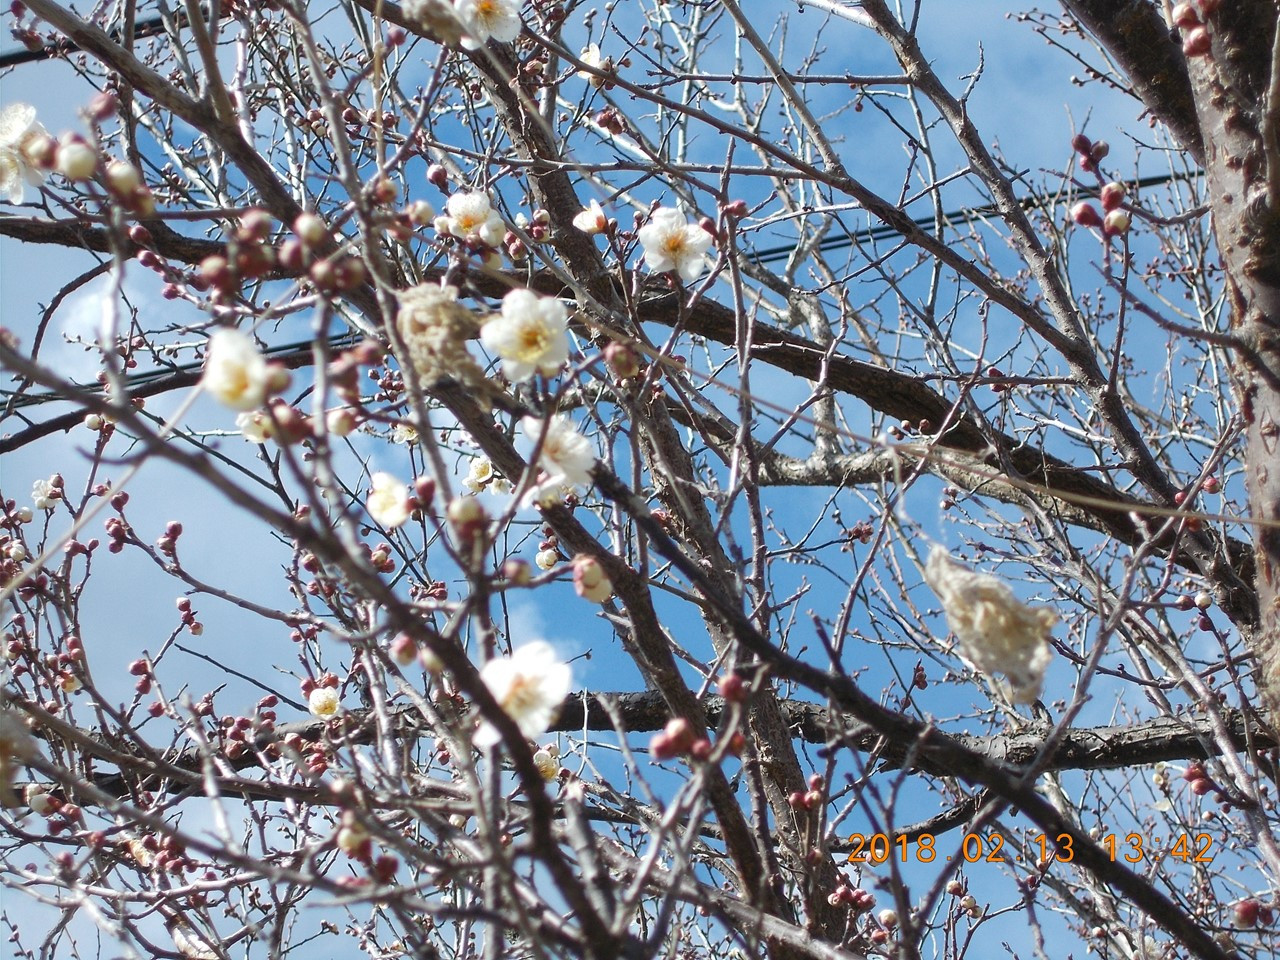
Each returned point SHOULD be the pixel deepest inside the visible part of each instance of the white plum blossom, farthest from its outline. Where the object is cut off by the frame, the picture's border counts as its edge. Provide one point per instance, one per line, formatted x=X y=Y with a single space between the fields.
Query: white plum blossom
x=470 y=216
x=44 y=495
x=530 y=335
x=235 y=371
x=592 y=57
x=388 y=503
x=480 y=474
x=997 y=632
x=484 y=20
x=591 y=220
x=529 y=686
x=323 y=702
x=672 y=243
x=405 y=434
x=566 y=456
x=255 y=426
x=22 y=140
x=546 y=559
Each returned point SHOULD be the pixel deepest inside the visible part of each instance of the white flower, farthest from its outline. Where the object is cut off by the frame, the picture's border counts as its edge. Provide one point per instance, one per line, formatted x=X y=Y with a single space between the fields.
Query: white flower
x=997 y=632
x=404 y=433
x=234 y=371
x=44 y=495
x=546 y=559
x=488 y=19
x=388 y=503
x=255 y=426
x=566 y=456
x=591 y=220
x=529 y=685
x=672 y=243
x=470 y=216
x=22 y=140
x=590 y=55
x=323 y=702
x=480 y=473
x=531 y=334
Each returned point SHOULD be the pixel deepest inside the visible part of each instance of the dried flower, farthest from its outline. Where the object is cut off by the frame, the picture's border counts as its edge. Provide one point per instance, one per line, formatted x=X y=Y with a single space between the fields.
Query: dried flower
x=388 y=503
x=997 y=632
x=531 y=334
x=323 y=702
x=235 y=372
x=672 y=243
x=435 y=328
x=548 y=765
x=24 y=143
x=529 y=686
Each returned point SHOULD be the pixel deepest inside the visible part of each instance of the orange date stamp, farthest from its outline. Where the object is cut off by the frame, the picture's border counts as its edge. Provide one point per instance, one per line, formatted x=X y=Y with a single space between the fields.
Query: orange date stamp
x=1132 y=848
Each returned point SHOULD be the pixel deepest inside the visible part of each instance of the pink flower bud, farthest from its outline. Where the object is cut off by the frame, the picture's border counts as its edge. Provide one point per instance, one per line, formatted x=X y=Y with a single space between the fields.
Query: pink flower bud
x=1113 y=195
x=1085 y=214
x=1197 y=43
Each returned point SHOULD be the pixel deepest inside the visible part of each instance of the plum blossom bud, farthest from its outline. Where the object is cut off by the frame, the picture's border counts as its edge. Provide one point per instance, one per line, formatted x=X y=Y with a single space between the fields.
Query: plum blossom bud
x=1117 y=223
x=310 y=229
x=887 y=918
x=430 y=661
x=590 y=580
x=466 y=516
x=516 y=571
x=1204 y=600
x=1113 y=195
x=403 y=650
x=76 y=160
x=123 y=178
x=1197 y=42
x=341 y=422
x=622 y=360
x=421 y=213
x=546 y=559
x=1085 y=214
x=591 y=220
